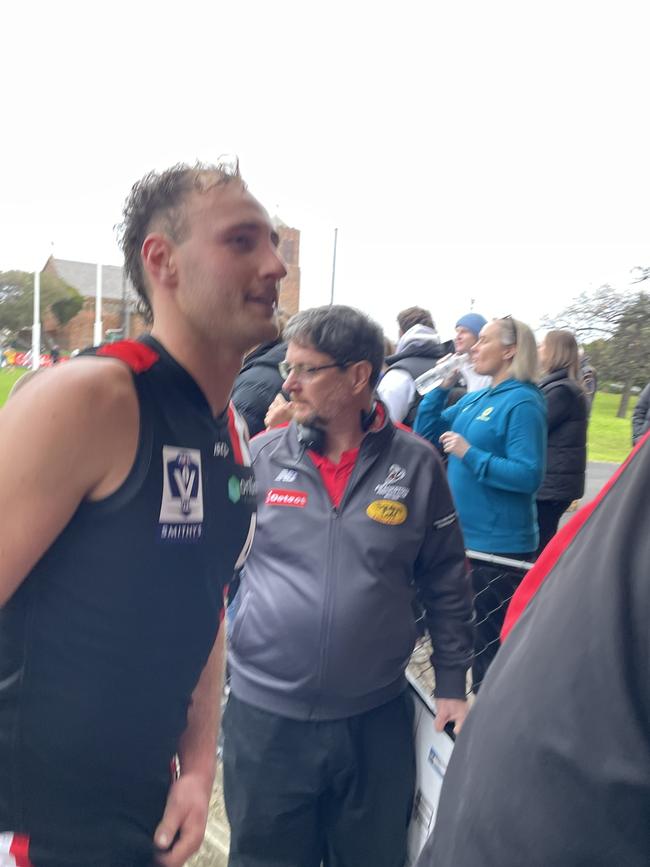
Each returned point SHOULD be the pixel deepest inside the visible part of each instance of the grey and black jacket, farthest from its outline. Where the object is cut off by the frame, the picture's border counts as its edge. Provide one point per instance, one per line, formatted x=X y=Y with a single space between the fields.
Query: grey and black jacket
x=641 y=415
x=325 y=626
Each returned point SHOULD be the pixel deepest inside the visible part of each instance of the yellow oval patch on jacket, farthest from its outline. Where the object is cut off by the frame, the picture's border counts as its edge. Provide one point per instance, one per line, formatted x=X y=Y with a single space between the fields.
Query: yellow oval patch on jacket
x=387 y=512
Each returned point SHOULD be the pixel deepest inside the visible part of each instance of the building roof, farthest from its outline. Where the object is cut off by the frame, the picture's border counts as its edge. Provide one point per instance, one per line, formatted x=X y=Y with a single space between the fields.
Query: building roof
x=83 y=276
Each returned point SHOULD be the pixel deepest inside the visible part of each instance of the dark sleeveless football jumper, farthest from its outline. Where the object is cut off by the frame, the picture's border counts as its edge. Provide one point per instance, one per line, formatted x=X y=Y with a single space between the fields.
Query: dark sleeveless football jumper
x=104 y=641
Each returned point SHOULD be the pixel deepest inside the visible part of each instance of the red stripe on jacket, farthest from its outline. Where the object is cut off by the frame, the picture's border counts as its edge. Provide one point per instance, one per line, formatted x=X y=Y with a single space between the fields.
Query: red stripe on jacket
x=555 y=548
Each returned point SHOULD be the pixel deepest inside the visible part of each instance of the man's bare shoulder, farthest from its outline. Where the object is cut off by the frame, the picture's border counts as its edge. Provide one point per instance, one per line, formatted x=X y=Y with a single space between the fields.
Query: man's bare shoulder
x=83 y=416
x=85 y=387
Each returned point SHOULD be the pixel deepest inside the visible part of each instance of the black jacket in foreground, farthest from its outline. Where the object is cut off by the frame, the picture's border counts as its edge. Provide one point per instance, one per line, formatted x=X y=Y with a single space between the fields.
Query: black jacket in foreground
x=566 y=454
x=553 y=764
x=257 y=384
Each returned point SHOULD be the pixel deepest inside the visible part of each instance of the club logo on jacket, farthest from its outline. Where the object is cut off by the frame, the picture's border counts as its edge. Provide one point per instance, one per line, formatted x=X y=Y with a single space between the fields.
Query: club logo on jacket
x=389 y=487
x=181 y=509
x=485 y=415
x=387 y=512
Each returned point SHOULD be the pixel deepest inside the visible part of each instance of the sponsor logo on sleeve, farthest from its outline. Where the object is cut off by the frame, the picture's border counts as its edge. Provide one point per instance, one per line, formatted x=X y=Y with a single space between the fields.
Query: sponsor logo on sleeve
x=387 y=512
x=181 y=508
x=280 y=497
x=389 y=487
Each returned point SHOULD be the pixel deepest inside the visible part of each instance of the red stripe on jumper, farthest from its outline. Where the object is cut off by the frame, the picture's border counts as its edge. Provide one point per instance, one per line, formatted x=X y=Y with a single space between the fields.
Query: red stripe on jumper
x=235 y=440
x=138 y=356
x=555 y=548
x=20 y=850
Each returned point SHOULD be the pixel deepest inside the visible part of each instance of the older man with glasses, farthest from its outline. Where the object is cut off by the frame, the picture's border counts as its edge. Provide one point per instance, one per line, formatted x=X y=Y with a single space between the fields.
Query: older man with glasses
x=354 y=519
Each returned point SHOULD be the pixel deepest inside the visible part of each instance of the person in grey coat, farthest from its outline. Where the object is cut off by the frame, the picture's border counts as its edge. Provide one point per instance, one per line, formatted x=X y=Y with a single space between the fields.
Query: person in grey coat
x=641 y=415
x=354 y=519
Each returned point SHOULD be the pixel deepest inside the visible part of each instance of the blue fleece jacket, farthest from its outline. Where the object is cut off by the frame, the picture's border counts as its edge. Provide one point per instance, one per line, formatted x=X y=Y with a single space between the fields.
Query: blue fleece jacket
x=494 y=484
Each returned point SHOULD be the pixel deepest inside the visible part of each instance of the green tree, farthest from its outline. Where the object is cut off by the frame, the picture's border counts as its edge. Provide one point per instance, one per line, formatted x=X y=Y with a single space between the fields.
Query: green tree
x=17 y=299
x=614 y=326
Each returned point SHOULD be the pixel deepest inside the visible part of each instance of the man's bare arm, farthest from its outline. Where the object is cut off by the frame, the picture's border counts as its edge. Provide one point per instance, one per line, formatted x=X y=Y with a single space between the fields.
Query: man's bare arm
x=186 y=812
x=71 y=434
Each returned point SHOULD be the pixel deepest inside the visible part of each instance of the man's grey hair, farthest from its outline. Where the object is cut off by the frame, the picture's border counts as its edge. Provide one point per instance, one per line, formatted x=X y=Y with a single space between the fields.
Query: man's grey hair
x=344 y=333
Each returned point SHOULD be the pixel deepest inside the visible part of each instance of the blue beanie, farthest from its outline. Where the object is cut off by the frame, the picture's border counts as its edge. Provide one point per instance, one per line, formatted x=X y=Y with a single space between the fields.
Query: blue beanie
x=472 y=322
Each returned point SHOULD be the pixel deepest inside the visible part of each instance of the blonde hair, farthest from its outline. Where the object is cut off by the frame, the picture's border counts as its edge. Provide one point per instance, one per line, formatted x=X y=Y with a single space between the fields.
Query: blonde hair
x=524 y=366
x=561 y=351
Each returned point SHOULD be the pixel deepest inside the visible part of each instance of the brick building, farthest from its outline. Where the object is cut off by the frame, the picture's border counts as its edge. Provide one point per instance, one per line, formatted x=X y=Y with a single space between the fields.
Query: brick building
x=119 y=299
x=118 y=303
x=290 y=252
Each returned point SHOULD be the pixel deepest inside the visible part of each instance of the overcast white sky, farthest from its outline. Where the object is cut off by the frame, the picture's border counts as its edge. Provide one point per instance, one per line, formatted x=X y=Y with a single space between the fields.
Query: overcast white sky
x=488 y=150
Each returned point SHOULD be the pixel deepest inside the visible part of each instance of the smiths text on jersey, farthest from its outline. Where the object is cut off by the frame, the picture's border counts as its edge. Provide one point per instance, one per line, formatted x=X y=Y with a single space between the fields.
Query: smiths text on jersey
x=181 y=509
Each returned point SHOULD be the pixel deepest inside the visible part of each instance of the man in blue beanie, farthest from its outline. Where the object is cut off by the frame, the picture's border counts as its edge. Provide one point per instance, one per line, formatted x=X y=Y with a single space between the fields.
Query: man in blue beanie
x=468 y=329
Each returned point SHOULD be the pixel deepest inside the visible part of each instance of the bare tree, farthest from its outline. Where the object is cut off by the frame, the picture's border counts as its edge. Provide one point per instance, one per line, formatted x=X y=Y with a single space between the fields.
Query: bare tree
x=620 y=322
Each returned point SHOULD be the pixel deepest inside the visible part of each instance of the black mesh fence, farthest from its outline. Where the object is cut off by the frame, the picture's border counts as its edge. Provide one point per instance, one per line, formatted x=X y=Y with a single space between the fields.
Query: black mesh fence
x=494 y=581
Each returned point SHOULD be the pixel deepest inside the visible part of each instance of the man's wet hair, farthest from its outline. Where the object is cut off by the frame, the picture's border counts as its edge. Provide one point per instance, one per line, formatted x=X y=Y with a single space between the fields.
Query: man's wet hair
x=414 y=316
x=158 y=201
x=344 y=333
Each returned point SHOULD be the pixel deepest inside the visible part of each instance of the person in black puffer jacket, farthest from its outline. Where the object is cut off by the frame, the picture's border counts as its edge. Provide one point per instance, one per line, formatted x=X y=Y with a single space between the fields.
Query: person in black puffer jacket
x=568 y=415
x=259 y=380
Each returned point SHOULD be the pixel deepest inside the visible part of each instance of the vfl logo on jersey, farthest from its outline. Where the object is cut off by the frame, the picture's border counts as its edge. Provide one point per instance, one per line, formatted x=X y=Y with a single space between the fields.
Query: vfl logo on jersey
x=387 y=512
x=181 y=509
x=485 y=415
x=278 y=497
x=389 y=488
x=286 y=476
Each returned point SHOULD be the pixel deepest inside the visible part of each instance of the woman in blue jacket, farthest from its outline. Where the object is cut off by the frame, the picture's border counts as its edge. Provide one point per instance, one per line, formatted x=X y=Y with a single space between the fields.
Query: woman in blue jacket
x=496 y=442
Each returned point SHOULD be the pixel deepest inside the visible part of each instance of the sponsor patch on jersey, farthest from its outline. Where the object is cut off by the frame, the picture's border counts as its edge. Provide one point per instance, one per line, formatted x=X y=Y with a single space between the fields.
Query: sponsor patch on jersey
x=286 y=476
x=485 y=415
x=387 y=512
x=279 y=497
x=181 y=509
x=238 y=488
x=221 y=449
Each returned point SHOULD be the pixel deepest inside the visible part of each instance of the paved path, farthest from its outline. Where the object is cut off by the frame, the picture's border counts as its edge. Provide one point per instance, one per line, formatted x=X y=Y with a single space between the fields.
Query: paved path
x=598 y=474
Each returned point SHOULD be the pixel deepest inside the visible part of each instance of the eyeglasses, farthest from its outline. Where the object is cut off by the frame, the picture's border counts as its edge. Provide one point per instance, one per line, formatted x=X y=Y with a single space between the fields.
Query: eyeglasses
x=301 y=371
x=513 y=325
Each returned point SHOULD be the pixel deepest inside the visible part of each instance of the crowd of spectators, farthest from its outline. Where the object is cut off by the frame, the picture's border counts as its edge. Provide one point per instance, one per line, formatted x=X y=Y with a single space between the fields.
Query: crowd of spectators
x=131 y=495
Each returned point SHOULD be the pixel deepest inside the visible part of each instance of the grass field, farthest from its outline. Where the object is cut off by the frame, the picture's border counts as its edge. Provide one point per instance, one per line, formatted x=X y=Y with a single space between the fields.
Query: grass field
x=8 y=375
x=610 y=438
